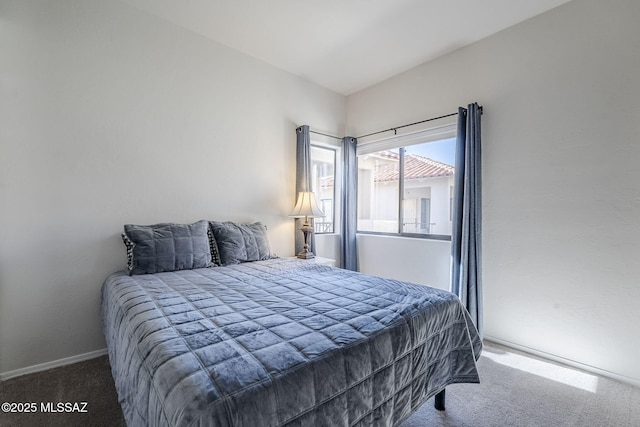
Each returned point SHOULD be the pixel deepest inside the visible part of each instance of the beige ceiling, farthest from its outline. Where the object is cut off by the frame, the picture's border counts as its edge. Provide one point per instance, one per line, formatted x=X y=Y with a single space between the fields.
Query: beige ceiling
x=345 y=45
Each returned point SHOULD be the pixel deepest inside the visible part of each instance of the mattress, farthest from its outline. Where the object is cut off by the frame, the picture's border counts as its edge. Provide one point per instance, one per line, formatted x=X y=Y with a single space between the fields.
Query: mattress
x=281 y=343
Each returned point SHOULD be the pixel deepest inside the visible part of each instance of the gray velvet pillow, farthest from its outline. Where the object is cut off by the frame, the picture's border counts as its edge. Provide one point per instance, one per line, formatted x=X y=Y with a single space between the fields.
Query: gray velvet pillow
x=167 y=247
x=238 y=243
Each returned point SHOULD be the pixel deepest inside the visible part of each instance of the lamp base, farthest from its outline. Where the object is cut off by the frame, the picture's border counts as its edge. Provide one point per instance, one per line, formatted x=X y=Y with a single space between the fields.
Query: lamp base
x=306 y=230
x=305 y=255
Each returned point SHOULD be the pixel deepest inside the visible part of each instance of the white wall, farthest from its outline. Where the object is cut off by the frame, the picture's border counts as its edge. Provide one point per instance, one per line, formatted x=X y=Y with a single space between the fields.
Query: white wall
x=328 y=246
x=561 y=167
x=402 y=258
x=111 y=116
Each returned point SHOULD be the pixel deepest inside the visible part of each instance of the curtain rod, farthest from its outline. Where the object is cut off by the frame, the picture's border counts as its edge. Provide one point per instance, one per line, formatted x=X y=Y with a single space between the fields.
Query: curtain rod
x=412 y=124
x=394 y=129
x=324 y=134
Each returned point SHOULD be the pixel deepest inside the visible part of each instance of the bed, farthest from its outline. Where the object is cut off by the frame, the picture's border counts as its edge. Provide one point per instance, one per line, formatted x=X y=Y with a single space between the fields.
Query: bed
x=278 y=342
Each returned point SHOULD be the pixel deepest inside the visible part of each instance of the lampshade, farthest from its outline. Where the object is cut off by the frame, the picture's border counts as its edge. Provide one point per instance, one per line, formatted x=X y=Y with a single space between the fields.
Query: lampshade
x=306 y=206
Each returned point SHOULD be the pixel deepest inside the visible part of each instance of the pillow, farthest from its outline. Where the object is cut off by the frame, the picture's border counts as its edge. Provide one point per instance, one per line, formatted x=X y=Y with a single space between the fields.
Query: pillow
x=215 y=254
x=166 y=247
x=238 y=243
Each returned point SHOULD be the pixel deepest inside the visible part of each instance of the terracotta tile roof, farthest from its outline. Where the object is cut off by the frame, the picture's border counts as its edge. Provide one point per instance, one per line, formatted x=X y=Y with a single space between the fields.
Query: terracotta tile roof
x=326 y=182
x=415 y=167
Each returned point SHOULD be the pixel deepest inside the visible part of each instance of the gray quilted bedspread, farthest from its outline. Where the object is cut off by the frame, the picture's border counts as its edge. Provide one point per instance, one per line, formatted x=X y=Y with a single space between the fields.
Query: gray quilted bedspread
x=281 y=343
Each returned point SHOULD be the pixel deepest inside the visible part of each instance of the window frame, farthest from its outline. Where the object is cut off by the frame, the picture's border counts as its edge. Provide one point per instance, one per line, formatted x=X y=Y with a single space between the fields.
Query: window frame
x=335 y=151
x=431 y=134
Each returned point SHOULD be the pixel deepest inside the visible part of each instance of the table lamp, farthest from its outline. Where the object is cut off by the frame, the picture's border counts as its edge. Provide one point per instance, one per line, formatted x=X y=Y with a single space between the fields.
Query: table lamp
x=306 y=207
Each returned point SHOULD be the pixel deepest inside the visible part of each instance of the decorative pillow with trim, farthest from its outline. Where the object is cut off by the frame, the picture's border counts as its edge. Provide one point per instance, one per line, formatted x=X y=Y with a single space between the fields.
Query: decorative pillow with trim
x=215 y=254
x=241 y=242
x=167 y=247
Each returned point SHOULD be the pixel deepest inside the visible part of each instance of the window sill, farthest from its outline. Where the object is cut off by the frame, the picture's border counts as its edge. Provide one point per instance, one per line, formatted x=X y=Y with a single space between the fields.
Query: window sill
x=407 y=235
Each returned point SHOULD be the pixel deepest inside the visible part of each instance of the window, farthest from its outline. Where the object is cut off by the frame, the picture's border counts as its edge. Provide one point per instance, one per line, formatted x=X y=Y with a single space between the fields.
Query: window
x=323 y=168
x=378 y=191
x=405 y=184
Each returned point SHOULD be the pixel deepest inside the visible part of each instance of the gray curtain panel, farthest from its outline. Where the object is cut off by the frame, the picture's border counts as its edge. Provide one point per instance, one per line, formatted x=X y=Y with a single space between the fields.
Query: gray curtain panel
x=303 y=182
x=466 y=247
x=349 y=218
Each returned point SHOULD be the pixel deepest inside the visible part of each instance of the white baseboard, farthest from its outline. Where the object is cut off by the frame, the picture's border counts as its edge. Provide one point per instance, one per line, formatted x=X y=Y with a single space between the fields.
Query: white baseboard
x=53 y=364
x=622 y=378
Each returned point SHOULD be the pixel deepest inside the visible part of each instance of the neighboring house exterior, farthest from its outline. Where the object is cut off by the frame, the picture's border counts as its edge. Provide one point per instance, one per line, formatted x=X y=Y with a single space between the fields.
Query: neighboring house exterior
x=427 y=197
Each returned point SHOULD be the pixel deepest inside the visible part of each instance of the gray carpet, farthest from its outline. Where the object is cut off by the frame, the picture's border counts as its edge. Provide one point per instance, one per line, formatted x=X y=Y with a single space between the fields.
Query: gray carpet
x=516 y=390
x=522 y=390
x=88 y=381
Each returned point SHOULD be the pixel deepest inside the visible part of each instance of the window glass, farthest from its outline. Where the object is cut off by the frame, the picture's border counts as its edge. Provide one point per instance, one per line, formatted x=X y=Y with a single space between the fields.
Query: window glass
x=428 y=178
x=378 y=185
x=323 y=162
x=407 y=190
